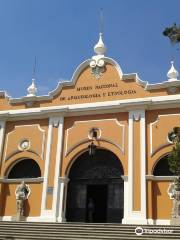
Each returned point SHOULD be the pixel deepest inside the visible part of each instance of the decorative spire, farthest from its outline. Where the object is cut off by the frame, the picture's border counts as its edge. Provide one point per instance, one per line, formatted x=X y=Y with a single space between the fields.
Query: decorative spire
x=100 y=47
x=97 y=62
x=32 y=89
x=172 y=73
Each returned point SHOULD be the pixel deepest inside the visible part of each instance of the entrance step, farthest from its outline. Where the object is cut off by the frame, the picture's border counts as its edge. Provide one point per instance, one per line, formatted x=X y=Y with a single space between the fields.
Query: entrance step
x=79 y=231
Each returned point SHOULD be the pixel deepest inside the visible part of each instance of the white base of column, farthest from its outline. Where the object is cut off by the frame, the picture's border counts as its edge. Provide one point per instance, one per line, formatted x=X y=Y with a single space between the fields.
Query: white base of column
x=46 y=216
x=159 y=221
x=31 y=219
x=149 y=221
x=134 y=221
x=61 y=220
x=6 y=218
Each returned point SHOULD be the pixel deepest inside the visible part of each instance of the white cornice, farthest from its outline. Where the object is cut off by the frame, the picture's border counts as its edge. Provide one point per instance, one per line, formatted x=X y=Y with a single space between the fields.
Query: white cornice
x=25 y=99
x=148 y=103
x=135 y=77
x=165 y=84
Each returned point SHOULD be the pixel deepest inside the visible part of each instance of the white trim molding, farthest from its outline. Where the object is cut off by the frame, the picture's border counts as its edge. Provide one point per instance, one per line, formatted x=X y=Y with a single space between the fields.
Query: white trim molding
x=19 y=180
x=44 y=211
x=166 y=141
x=158 y=102
x=160 y=178
x=41 y=154
x=95 y=123
x=60 y=124
x=2 y=134
x=63 y=181
x=131 y=216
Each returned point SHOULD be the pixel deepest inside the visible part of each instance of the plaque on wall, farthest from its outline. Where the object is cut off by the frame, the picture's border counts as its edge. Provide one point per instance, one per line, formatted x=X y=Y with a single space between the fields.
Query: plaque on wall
x=50 y=190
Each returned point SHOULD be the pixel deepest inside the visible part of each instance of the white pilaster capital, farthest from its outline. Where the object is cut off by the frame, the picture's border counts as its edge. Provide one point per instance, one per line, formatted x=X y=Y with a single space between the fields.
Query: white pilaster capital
x=125 y=178
x=137 y=114
x=2 y=123
x=64 y=180
x=55 y=121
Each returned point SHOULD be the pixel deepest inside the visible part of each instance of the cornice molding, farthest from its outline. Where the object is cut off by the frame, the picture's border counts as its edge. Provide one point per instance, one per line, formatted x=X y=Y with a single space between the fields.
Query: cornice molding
x=165 y=84
x=160 y=178
x=19 y=180
x=148 y=103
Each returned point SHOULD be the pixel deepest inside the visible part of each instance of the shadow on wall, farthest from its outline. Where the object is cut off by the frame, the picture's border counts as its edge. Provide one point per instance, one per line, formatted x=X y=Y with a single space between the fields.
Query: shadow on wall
x=2 y=199
x=156 y=193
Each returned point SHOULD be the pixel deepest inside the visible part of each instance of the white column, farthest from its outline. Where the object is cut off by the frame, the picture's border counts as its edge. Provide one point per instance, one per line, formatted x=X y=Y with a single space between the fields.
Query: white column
x=2 y=133
x=47 y=215
x=62 y=198
x=125 y=178
x=130 y=216
x=130 y=164
x=58 y=167
x=143 y=167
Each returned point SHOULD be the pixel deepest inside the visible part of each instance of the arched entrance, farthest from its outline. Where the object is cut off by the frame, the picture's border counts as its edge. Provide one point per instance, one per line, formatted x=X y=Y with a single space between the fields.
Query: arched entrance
x=95 y=190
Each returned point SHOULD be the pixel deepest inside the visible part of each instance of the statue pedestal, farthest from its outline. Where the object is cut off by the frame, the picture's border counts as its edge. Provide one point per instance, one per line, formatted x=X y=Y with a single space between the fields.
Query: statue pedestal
x=18 y=218
x=176 y=208
x=175 y=221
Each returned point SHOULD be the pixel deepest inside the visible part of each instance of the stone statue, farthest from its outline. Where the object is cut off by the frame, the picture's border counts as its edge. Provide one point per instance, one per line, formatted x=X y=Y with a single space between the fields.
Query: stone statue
x=22 y=191
x=174 y=193
x=174 y=164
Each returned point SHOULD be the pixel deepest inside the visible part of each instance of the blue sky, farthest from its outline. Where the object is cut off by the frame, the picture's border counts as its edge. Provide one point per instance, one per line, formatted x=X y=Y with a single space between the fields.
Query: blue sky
x=62 y=33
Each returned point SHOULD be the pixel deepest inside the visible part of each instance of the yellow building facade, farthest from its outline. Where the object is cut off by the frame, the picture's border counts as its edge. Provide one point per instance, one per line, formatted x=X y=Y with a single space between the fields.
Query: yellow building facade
x=101 y=137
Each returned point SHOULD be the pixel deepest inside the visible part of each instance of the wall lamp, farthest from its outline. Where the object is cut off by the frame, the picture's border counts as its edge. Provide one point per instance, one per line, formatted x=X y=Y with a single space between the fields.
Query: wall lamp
x=92 y=147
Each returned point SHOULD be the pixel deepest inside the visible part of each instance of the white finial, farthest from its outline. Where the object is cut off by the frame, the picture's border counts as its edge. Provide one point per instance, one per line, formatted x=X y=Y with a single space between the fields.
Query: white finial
x=100 y=48
x=172 y=73
x=97 y=62
x=32 y=89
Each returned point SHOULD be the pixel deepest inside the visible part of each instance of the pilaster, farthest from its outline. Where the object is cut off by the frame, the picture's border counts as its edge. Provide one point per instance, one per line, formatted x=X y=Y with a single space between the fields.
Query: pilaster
x=46 y=213
x=2 y=133
x=63 y=182
x=126 y=190
x=136 y=184
x=58 y=167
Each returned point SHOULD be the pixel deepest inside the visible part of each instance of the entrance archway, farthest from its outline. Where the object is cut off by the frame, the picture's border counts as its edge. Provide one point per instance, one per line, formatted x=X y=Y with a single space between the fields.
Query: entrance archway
x=96 y=189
